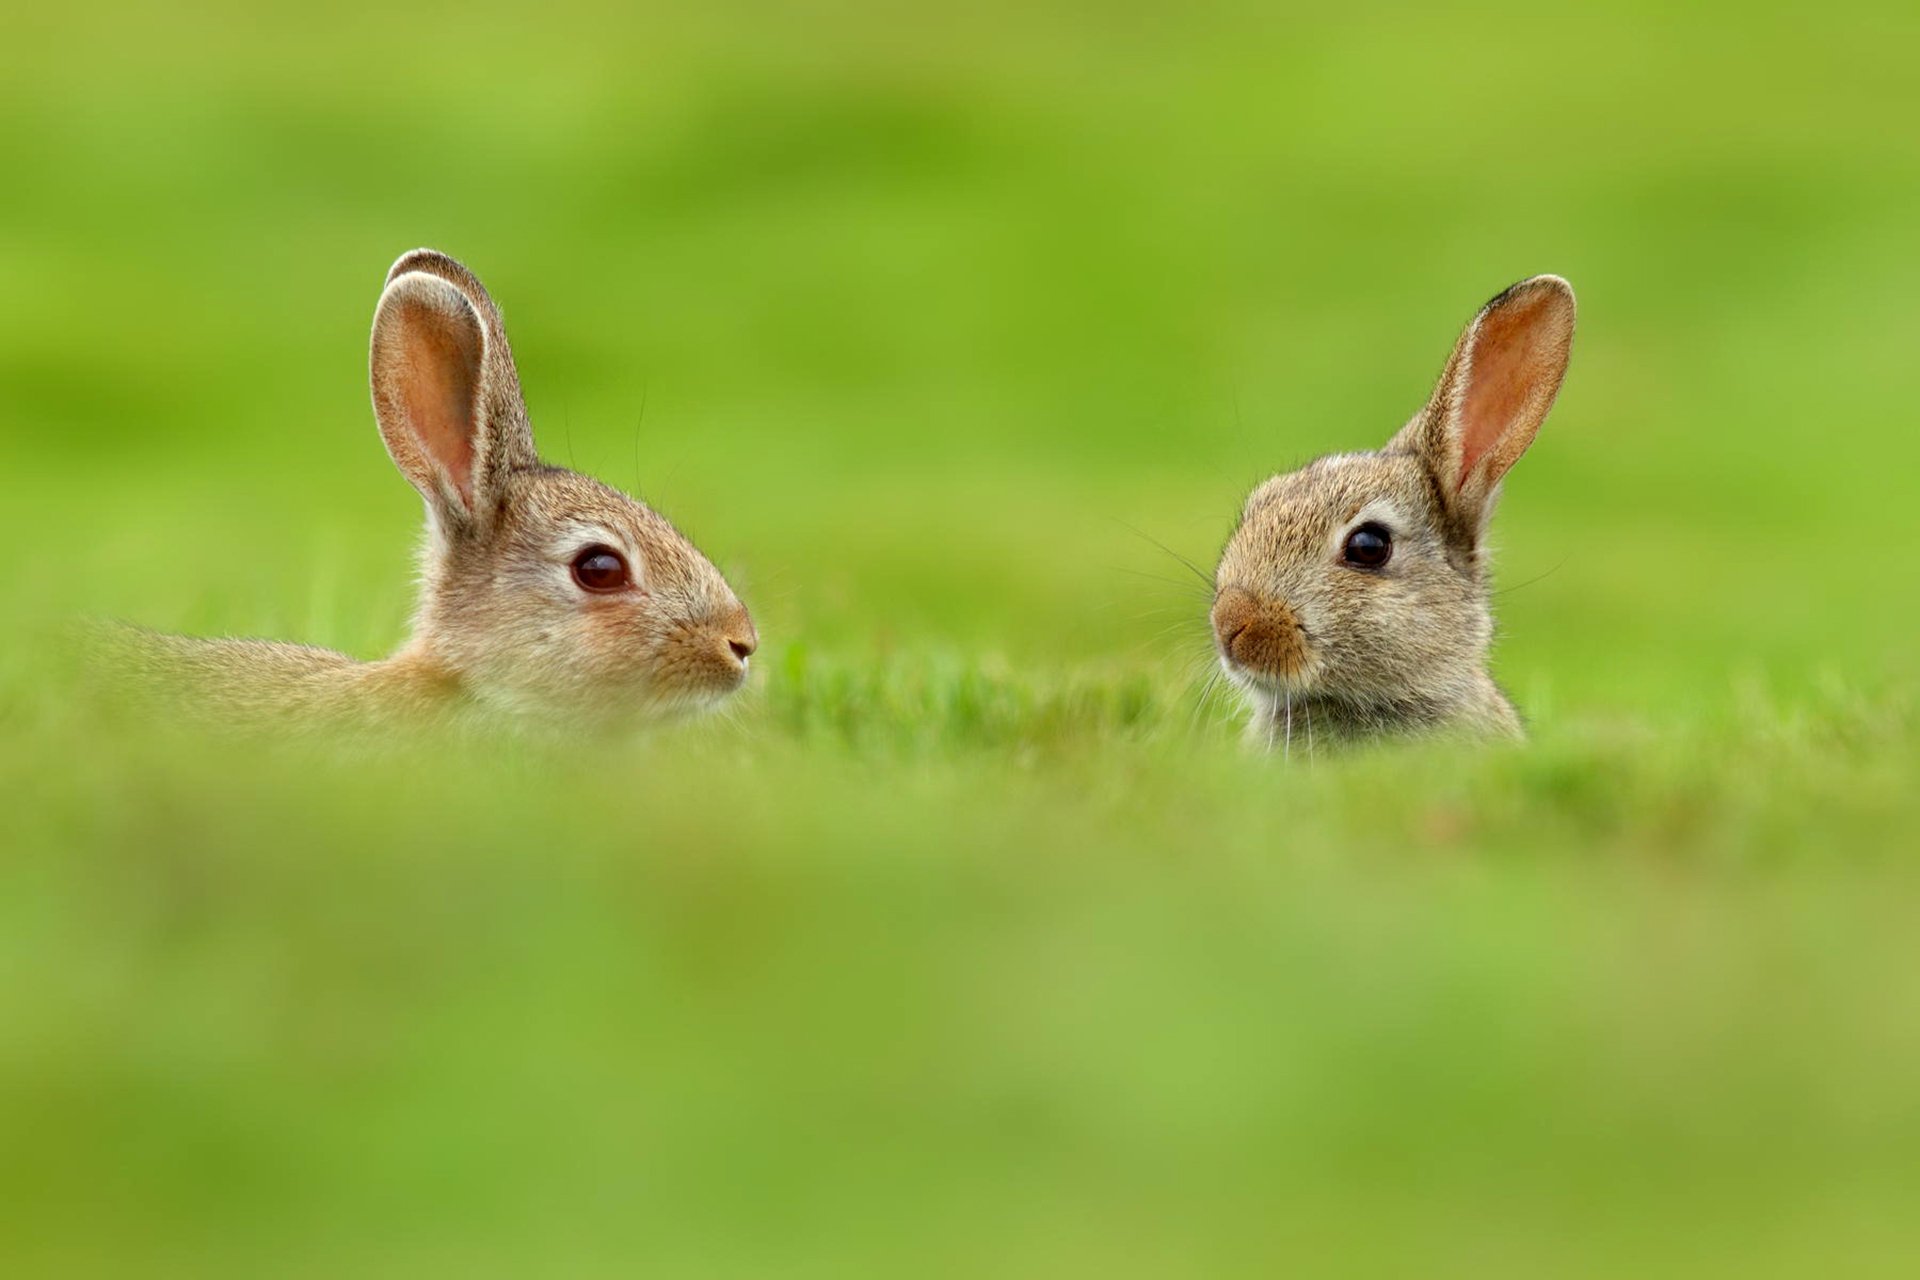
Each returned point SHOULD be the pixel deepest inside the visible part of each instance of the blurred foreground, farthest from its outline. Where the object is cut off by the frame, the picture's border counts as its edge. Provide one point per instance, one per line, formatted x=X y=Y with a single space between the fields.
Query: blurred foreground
x=971 y=943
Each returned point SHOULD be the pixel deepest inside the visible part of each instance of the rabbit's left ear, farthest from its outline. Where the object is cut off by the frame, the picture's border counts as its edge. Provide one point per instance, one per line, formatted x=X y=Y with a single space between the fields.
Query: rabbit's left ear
x=445 y=392
x=1493 y=395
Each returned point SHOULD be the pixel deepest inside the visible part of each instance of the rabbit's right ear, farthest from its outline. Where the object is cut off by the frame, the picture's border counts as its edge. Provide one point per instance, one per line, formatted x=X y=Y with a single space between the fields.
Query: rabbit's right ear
x=502 y=379
x=450 y=426
x=1499 y=383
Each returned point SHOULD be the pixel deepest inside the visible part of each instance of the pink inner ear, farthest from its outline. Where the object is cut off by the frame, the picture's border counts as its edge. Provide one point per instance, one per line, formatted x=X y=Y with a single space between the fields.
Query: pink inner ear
x=1511 y=375
x=439 y=385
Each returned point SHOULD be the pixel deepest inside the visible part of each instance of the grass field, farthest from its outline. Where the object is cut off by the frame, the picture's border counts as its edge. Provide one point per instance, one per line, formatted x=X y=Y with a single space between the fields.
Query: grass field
x=972 y=942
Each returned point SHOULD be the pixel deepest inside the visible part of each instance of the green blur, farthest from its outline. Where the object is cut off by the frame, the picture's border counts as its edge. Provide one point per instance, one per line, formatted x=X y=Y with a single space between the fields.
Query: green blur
x=971 y=942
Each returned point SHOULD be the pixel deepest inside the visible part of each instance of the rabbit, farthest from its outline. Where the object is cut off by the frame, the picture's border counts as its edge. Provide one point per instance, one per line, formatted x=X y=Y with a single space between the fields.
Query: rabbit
x=544 y=593
x=1351 y=600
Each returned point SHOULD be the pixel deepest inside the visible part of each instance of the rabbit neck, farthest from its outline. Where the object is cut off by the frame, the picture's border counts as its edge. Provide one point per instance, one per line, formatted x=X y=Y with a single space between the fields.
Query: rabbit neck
x=414 y=685
x=1312 y=720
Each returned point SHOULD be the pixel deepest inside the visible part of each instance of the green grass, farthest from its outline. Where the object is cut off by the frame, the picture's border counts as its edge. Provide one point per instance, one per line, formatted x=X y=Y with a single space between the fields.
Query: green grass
x=971 y=942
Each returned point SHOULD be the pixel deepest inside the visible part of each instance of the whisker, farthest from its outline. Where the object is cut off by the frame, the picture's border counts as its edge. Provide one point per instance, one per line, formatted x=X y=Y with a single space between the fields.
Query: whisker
x=1530 y=581
x=1182 y=583
x=640 y=421
x=1191 y=566
x=1200 y=703
x=1172 y=628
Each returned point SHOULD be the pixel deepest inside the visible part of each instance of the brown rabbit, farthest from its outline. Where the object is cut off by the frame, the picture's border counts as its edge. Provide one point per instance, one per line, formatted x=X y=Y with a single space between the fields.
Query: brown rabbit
x=544 y=593
x=1352 y=598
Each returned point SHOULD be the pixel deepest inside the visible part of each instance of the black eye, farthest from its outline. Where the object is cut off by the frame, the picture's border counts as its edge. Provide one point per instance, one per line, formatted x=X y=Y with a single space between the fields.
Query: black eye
x=1369 y=547
x=599 y=568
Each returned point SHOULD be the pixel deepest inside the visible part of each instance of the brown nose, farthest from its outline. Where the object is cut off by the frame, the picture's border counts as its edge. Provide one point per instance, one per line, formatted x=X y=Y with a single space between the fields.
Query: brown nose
x=741 y=637
x=1260 y=635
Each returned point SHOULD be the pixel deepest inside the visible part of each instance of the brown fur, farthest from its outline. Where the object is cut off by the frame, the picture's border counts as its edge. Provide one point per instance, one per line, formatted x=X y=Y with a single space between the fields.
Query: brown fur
x=501 y=625
x=1325 y=650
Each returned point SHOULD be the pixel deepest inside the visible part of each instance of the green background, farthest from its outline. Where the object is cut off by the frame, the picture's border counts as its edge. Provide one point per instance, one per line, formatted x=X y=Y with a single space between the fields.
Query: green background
x=970 y=941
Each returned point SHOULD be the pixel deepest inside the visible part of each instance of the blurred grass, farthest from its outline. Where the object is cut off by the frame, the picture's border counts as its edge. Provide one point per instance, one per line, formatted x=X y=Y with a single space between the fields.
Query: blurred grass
x=971 y=942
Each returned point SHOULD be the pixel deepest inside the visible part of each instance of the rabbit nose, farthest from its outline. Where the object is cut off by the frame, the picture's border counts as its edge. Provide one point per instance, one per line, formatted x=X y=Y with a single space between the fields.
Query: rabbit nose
x=1259 y=635
x=741 y=638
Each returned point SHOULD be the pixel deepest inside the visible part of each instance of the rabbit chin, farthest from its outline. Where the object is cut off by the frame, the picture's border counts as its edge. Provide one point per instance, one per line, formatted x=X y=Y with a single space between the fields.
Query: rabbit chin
x=1268 y=695
x=1301 y=679
x=599 y=704
x=682 y=702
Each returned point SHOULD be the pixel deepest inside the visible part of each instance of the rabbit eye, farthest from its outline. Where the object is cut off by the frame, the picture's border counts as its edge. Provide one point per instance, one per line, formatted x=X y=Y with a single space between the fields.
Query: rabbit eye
x=599 y=568
x=1369 y=547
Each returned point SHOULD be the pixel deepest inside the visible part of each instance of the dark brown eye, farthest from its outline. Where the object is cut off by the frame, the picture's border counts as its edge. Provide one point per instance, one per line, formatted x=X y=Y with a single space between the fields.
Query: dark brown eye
x=599 y=568
x=1369 y=547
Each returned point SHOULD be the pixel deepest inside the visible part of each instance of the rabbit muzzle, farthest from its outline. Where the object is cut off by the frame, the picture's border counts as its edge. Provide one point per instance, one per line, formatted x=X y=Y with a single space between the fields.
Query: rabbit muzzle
x=1258 y=636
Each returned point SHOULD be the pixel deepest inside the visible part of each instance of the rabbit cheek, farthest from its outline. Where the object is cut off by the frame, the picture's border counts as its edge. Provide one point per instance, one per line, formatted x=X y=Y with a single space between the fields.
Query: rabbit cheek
x=616 y=634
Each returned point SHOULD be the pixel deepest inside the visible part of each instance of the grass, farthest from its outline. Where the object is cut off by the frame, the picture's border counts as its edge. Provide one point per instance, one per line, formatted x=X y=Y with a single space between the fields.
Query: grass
x=971 y=941
x=974 y=995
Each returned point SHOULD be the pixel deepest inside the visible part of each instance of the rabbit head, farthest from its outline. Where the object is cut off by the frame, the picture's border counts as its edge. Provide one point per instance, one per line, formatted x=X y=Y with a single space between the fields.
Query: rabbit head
x=1352 y=597
x=544 y=591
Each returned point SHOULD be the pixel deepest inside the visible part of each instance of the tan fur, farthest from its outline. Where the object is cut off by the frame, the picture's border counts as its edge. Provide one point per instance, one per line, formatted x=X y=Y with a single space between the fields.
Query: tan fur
x=1326 y=651
x=501 y=626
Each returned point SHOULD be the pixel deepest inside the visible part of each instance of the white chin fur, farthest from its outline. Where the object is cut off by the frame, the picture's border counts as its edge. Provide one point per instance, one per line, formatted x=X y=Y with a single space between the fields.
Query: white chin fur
x=1270 y=688
x=638 y=705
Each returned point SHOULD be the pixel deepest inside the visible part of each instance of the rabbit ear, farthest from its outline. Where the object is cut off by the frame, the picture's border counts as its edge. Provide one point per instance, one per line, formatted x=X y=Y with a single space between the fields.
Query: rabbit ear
x=1493 y=395
x=445 y=392
x=503 y=380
